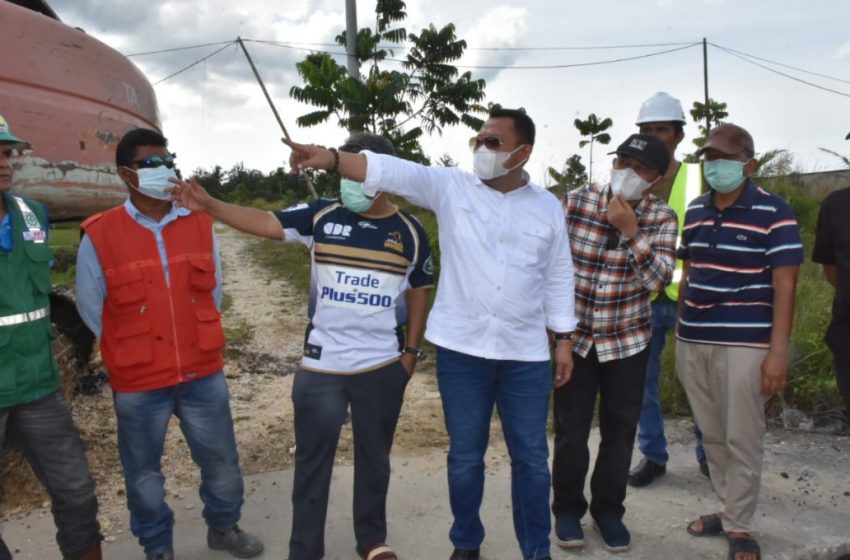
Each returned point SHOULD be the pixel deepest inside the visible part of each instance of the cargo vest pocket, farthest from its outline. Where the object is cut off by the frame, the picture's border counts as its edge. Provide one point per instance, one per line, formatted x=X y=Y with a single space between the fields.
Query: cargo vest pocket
x=8 y=383
x=210 y=331
x=134 y=344
x=39 y=256
x=125 y=286
x=202 y=274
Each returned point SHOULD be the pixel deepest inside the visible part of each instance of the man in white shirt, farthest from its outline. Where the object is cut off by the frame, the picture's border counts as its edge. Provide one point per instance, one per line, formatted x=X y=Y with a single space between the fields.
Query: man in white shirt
x=506 y=278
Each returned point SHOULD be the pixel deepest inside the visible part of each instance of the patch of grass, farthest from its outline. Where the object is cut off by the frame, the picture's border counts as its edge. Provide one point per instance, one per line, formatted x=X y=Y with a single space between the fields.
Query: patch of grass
x=64 y=239
x=226 y=303
x=290 y=261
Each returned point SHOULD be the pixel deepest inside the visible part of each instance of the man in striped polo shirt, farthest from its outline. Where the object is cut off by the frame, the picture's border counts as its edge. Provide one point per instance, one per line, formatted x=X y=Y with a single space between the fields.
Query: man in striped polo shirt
x=742 y=250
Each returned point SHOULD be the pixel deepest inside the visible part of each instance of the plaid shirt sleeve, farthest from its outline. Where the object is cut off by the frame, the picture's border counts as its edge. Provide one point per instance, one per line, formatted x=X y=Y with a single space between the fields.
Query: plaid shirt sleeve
x=652 y=249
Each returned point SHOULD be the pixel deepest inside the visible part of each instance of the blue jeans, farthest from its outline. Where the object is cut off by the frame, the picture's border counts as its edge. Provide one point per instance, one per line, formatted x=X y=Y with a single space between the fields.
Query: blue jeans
x=651 y=439
x=204 y=411
x=470 y=387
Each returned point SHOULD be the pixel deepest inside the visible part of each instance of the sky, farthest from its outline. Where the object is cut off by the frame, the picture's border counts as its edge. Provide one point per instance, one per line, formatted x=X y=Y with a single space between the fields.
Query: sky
x=215 y=113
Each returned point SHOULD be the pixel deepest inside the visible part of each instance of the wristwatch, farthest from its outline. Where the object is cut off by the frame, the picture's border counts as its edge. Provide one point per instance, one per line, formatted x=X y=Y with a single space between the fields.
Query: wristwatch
x=563 y=336
x=418 y=353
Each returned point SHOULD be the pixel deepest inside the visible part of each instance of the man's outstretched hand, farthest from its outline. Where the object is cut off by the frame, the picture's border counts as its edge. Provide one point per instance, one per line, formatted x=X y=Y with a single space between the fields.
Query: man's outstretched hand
x=189 y=194
x=307 y=156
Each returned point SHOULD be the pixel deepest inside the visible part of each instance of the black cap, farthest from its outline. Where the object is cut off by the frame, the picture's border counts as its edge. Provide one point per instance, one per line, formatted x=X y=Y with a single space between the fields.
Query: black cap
x=647 y=149
x=360 y=141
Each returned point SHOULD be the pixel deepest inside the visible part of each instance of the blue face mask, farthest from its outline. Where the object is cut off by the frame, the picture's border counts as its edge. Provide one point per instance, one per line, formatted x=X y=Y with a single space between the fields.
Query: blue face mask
x=724 y=175
x=352 y=196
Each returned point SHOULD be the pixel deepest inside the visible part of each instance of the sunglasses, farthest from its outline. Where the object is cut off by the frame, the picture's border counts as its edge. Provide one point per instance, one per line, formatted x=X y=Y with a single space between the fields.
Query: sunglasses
x=491 y=142
x=14 y=152
x=156 y=161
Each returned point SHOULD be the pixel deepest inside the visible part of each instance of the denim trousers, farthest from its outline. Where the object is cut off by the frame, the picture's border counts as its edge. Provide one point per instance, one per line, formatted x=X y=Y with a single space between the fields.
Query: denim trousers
x=203 y=408
x=51 y=444
x=651 y=439
x=470 y=387
x=321 y=401
x=619 y=384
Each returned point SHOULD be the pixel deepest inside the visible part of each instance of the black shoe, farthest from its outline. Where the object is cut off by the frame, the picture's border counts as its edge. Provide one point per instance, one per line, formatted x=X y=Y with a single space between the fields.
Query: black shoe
x=645 y=473
x=703 y=468
x=461 y=554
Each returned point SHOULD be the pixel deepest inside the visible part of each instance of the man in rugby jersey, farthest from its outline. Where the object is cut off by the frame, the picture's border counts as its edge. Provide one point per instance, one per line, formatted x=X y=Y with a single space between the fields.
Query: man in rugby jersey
x=371 y=271
x=742 y=250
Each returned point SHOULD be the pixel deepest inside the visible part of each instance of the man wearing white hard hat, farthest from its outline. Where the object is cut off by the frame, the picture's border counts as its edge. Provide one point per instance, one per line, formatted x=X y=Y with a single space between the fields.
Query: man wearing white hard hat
x=662 y=116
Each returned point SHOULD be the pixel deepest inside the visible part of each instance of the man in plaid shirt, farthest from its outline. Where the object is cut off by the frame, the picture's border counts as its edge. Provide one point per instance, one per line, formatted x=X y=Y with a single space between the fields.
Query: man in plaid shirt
x=623 y=245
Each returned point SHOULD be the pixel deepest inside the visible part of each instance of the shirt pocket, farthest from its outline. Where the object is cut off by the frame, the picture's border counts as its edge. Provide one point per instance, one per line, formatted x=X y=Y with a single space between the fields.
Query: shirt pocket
x=210 y=331
x=126 y=286
x=39 y=255
x=533 y=247
x=135 y=343
x=202 y=274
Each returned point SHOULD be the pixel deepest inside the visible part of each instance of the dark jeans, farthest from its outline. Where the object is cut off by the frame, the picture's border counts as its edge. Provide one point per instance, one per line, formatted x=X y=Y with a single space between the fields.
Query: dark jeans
x=470 y=387
x=620 y=387
x=203 y=408
x=842 y=378
x=651 y=439
x=50 y=441
x=321 y=401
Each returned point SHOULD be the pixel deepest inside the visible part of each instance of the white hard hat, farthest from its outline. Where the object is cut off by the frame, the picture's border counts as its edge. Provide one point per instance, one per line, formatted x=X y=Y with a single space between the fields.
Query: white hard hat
x=661 y=107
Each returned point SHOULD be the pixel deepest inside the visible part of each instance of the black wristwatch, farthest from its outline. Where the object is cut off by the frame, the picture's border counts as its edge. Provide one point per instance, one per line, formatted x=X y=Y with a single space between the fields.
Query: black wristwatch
x=418 y=353
x=563 y=336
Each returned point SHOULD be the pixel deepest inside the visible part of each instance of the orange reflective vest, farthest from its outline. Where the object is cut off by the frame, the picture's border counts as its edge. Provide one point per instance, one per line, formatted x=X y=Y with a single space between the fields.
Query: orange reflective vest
x=157 y=334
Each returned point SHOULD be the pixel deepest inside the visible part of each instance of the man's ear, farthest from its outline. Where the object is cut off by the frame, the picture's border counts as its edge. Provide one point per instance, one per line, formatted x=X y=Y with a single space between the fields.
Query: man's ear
x=751 y=167
x=128 y=175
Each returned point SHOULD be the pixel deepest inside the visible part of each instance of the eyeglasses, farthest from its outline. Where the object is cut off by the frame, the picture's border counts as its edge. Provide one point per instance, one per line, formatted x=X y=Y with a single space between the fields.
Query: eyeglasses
x=14 y=152
x=156 y=161
x=491 y=142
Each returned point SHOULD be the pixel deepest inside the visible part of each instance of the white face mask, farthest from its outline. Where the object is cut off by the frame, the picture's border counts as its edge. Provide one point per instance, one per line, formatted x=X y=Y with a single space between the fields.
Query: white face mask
x=488 y=164
x=628 y=184
x=154 y=181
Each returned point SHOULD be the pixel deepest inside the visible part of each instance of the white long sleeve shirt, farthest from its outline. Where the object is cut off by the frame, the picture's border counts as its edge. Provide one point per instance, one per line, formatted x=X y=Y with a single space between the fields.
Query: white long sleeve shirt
x=506 y=273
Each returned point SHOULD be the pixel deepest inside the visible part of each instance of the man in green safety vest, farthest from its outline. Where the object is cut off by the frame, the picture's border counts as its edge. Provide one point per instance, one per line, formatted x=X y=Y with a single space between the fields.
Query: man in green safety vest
x=662 y=116
x=32 y=410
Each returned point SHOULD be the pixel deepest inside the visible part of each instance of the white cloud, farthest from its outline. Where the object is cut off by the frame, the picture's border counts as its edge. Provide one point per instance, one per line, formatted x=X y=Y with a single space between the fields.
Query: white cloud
x=844 y=51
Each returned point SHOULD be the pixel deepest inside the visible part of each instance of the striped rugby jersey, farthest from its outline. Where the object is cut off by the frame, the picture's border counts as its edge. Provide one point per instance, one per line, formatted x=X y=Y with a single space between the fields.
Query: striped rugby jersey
x=615 y=278
x=731 y=253
x=361 y=268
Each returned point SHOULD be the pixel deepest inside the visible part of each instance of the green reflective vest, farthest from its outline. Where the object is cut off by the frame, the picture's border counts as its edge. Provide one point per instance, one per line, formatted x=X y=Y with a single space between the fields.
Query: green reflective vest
x=28 y=371
x=686 y=186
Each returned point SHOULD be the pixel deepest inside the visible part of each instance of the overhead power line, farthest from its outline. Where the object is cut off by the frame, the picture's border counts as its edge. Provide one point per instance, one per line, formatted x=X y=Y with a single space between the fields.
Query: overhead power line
x=200 y=60
x=790 y=77
x=803 y=70
x=175 y=49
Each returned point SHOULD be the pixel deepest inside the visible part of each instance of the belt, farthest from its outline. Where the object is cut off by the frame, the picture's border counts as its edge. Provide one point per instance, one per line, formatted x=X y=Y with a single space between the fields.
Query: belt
x=20 y=318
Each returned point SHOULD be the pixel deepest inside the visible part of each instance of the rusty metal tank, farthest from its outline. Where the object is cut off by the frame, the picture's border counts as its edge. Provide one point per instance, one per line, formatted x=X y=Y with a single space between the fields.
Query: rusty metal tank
x=72 y=98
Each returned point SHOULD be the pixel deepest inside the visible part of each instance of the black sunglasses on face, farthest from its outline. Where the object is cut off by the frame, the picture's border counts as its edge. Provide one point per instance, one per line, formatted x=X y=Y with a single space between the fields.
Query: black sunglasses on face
x=155 y=161
x=491 y=142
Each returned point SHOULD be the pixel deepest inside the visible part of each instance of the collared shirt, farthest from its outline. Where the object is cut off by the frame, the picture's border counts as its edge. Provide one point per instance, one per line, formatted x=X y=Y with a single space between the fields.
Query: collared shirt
x=505 y=268
x=90 y=283
x=361 y=269
x=6 y=233
x=832 y=247
x=616 y=276
x=731 y=255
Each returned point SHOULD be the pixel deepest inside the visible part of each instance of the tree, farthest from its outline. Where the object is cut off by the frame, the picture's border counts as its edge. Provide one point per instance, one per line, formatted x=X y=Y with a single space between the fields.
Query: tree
x=571 y=177
x=446 y=160
x=594 y=129
x=715 y=111
x=428 y=94
x=775 y=163
x=844 y=159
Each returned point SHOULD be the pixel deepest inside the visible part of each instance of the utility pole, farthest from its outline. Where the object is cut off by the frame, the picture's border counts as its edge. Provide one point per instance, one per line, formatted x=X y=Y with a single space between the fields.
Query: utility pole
x=351 y=39
x=705 y=85
x=307 y=179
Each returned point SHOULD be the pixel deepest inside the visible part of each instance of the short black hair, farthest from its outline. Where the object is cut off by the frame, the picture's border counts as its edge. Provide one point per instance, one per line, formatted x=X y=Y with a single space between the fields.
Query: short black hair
x=125 y=153
x=360 y=141
x=524 y=126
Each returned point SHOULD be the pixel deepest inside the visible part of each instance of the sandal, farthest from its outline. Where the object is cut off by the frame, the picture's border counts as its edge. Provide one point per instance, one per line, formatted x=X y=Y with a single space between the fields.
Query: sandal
x=712 y=526
x=378 y=551
x=743 y=545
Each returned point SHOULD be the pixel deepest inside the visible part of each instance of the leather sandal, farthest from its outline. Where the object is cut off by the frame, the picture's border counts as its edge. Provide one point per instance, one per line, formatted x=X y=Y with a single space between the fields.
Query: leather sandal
x=712 y=526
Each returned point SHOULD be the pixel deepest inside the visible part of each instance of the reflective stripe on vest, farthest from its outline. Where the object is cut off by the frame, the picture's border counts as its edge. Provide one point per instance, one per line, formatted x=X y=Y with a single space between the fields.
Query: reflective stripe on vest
x=686 y=187
x=21 y=318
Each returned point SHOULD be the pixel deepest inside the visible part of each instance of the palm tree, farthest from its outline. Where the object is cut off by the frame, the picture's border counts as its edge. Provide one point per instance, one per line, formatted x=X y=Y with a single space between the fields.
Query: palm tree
x=595 y=129
x=844 y=159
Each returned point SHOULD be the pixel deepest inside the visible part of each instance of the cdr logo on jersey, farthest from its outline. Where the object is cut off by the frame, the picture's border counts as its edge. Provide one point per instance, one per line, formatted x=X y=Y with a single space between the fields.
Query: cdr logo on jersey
x=367 y=291
x=337 y=231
